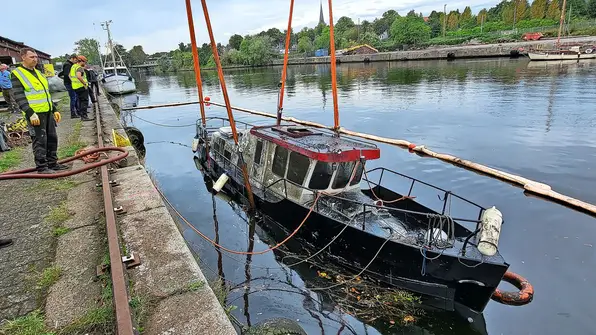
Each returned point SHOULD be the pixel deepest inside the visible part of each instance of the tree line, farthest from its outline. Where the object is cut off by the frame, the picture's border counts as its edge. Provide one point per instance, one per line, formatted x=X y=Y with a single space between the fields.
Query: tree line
x=389 y=32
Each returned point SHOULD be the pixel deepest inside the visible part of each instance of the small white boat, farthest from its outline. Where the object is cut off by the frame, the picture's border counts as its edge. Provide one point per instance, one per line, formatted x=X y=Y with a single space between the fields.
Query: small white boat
x=119 y=81
x=116 y=77
x=573 y=53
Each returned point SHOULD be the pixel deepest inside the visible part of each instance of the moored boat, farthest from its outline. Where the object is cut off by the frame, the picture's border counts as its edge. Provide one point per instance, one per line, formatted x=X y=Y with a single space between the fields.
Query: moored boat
x=116 y=78
x=308 y=180
x=572 y=53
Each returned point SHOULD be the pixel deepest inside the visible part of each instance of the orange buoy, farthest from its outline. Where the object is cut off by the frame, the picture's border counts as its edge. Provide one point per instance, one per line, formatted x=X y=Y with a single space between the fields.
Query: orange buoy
x=522 y=297
x=207 y=99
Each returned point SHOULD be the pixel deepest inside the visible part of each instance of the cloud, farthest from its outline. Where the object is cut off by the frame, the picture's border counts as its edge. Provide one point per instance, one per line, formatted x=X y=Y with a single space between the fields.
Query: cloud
x=54 y=25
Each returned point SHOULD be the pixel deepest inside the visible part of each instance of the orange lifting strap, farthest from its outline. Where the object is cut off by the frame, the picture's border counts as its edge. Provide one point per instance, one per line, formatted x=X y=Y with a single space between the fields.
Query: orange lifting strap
x=333 y=71
x=285 y=68
x=195 y=59
x=224 y=91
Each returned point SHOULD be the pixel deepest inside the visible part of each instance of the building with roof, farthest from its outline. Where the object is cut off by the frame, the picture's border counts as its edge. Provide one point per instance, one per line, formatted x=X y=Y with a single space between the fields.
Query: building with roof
x=10 y=52
x=321 y=16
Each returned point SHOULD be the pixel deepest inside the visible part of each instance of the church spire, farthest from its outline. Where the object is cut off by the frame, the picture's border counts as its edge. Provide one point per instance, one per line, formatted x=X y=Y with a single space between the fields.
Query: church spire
x=321 y=17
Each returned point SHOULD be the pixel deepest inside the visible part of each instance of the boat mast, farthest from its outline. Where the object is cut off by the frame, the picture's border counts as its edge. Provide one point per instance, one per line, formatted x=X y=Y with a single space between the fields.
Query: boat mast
x=106 y=24
x=561 y=23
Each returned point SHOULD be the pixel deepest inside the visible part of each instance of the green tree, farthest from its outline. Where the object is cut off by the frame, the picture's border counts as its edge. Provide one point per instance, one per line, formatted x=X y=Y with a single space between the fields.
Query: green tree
x=120 y=50
x=482 y=16
x=412 y=13
x=409 y=30
x=371 y=39
x=496 y=13
x=344 y=23
x=522 y=11
x=235 y=41
x=137 y=55
x=305 y=44
x=577 y=8
x=453 y=20
x=436 y=24
x=592 y=8
x=277 y=37
x=508 y=13
x=204 y=53
x=538 y=9
x=88 y=47
x=466 y=19
x=553 y=12
x=365 y=27
x=383 y=24
x=257 y=50
x=308 y=32
x=322 y=41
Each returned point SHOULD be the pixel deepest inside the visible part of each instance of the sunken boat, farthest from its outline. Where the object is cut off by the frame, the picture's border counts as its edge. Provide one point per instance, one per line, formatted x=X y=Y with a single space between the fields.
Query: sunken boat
x=315 y=182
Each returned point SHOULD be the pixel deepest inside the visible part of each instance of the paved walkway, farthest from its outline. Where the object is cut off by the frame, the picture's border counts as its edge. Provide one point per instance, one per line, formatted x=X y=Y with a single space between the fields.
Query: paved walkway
x=24 y=205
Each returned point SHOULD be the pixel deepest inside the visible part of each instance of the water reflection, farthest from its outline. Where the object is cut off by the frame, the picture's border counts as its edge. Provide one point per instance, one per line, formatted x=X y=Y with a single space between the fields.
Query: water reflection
x=532 y=119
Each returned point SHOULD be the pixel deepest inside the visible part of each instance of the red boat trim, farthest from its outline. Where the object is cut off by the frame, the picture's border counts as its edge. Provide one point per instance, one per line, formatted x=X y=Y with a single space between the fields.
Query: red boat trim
x=330 y=157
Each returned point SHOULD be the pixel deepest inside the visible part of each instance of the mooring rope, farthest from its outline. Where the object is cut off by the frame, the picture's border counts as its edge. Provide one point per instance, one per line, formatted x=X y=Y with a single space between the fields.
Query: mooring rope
x=235 y=251
x=163 y=125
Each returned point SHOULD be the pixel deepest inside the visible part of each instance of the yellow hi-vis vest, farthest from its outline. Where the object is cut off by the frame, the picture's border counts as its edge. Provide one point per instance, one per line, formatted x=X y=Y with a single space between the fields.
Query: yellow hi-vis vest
x=37 y=90
x=76 y=83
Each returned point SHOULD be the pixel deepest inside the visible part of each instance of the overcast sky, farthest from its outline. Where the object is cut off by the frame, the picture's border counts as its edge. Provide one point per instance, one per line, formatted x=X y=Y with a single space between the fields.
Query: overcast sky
x=53 y=26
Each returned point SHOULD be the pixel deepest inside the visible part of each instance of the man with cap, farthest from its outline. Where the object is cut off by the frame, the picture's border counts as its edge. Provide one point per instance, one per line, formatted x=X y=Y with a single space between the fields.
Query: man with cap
x=68 y=84
x=6 y=88
x=80 y=85
x=32 y=93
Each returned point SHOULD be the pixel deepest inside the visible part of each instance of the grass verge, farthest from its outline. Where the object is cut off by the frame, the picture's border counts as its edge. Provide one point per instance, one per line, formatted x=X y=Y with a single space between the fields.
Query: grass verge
x=30 y=324
x=61 y=184
x=72 y=143
x=48 y=277
x=11 y=159
x=58 y=215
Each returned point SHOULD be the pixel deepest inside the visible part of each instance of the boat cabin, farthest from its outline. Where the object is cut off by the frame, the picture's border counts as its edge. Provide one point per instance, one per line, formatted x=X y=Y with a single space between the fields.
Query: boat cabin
x=293 y=160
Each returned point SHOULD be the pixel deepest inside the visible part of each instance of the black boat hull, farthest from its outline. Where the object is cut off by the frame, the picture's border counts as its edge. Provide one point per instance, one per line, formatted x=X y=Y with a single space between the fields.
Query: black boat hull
x=447 y=282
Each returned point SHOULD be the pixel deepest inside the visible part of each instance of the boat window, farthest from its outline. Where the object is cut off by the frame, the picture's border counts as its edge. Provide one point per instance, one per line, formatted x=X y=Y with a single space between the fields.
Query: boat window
x=221 y=146
x=358 y=175
x=228 y=155
x=258 y=152
x=280 y=160
x=321 y=176
x=298 y=167
x=342 y=177
x=216 y=145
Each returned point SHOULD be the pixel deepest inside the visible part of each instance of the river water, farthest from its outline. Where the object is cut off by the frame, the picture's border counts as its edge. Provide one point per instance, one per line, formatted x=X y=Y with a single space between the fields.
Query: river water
x=532 y=119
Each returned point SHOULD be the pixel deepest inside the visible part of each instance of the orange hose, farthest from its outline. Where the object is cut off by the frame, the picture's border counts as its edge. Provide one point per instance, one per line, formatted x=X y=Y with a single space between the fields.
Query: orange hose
x=235 y=251
x=195 y=58
x=285 y=67
x=333 y=70
x=224 y=91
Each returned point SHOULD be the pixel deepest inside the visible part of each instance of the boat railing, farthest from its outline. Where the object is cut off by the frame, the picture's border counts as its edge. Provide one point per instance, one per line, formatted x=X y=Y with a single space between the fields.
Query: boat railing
x=447 y=198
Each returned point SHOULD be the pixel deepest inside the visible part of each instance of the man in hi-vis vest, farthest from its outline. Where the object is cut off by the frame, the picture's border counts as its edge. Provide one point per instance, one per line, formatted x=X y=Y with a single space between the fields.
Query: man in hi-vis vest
x=80 y=84
x=32 y=94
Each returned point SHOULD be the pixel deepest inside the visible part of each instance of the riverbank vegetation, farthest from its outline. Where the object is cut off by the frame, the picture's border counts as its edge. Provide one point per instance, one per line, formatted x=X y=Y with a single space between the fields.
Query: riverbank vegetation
x=507 y=21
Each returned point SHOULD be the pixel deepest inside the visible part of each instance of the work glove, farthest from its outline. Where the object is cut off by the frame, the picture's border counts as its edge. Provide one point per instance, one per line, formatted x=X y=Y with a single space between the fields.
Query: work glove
x=34 y=120
x=57 y=117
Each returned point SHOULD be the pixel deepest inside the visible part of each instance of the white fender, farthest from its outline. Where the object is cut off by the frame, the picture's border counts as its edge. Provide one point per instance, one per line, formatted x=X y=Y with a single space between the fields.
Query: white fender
x=490 y=230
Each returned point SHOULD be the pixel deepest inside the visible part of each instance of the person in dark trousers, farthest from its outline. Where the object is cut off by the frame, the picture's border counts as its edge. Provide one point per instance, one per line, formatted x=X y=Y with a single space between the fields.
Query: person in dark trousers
x=68 y=84
x=80 y=85
x=93 y=84
x=32 y=94
x=6 y=88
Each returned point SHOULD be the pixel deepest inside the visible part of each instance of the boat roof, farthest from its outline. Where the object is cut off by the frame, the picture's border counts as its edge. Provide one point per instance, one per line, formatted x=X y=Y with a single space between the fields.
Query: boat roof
x=318 y=144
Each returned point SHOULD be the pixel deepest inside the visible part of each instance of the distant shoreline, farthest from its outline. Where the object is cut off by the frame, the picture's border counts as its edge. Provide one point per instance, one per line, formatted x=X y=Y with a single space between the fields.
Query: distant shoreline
x=467 y=51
